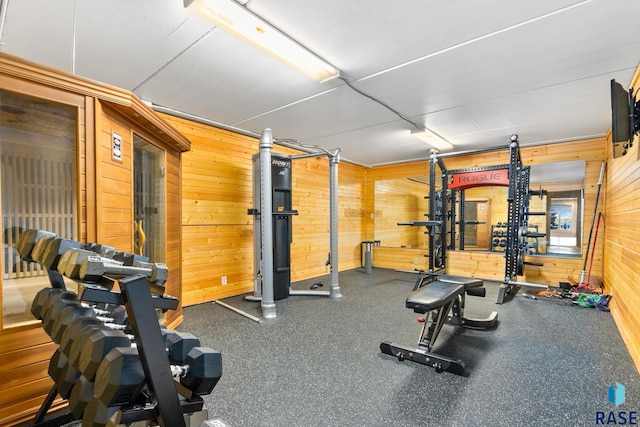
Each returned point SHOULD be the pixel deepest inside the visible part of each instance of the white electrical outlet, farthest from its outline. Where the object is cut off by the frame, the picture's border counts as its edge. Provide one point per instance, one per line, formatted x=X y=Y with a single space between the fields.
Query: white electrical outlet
x=224 y=280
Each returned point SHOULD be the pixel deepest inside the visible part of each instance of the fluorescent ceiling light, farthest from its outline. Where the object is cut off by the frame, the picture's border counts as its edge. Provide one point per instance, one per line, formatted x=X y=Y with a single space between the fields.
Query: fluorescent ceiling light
x=434 y=140
x=238 y=20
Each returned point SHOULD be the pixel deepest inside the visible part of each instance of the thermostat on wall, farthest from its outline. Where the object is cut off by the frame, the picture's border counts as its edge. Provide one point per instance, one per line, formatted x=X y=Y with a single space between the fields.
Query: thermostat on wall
x=116 y=146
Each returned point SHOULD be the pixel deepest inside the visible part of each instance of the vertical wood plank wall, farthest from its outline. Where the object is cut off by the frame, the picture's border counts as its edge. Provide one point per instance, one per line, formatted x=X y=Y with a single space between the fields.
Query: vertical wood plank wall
x=114 y=186
x=217 y=191
x=622 y=242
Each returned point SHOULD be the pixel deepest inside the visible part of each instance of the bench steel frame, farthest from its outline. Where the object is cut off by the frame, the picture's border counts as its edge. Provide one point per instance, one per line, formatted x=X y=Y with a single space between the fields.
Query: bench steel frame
x=442 y=301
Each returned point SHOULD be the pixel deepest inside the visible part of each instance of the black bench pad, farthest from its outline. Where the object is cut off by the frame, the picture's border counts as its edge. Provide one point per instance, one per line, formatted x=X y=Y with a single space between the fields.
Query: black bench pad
x=468 y=282
x=434 y=295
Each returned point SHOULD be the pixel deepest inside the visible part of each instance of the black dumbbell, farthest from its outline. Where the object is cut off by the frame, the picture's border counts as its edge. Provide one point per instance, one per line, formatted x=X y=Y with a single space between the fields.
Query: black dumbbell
x=49 y=310
x=110 y=314
x=94 y=268
x=120 y=380
x=40 y=308
x=118 y=375
x=83 y=388
x=41 y=297
x=56 y=364
x=40 y=248
x=66 y=316
x=97 y=414
x=62 y=374
x=201 y=371
x=102 y=341
x=54 y=250
x=72 y=332
x=81 y=394
x=28 y=240
x=71 y=261
x=95 y=348
x=56 y=304
x=129 y=259
x=77 y=343
x=105 y=251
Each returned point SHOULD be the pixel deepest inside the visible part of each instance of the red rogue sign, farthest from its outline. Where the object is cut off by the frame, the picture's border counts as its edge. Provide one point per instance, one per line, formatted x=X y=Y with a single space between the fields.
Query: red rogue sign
x=462 y=181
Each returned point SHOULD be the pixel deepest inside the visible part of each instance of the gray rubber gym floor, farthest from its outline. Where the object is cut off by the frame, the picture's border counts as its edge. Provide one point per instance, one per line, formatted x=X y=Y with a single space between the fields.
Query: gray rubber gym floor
x=548 y=363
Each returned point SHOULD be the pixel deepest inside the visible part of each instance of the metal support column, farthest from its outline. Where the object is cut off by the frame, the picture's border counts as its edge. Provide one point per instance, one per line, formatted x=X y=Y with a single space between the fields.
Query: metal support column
x=433 y=215
x=334 y=291
x=266 y=208
x=461 y=221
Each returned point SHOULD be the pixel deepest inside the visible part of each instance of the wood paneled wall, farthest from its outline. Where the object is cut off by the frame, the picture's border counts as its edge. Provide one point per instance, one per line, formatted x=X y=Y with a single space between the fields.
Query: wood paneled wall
x=114 y=195
x=622 y=242
x=114 y=181
x=217 y=191
x=491 y=265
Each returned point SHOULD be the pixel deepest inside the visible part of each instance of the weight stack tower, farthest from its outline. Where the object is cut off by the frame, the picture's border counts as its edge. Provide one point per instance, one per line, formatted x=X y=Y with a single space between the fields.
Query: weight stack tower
x=281 y=183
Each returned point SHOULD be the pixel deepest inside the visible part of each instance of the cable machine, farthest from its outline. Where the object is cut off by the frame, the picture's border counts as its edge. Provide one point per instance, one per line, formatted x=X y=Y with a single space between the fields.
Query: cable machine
x=272 y=234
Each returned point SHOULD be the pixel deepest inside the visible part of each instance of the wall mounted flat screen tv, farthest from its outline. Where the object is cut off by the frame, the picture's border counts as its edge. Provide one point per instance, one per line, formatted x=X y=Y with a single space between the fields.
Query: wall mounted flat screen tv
x=624 y=119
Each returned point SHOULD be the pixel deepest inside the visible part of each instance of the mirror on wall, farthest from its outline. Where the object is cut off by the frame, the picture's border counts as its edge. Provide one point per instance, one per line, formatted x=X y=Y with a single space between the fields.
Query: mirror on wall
x=401 y=200
x=554 y=227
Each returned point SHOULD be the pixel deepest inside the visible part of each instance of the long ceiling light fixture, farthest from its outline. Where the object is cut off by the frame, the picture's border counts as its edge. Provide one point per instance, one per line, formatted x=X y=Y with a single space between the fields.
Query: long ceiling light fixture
x=240 y=21
x=431 y=138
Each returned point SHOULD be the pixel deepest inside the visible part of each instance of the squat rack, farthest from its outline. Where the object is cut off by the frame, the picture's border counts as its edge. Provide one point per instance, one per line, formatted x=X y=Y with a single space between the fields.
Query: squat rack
x=442 y=210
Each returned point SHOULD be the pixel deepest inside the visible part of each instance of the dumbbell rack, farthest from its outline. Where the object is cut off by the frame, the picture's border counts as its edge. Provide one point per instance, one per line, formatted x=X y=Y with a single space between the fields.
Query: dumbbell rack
x=167 y=408
x=499 y=233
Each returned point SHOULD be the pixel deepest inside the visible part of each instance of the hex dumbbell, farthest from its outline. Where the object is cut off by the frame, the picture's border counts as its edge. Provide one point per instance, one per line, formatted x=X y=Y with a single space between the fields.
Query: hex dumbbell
x=71 y=261
x=39 y=300
x=28 y=240
x=62 y=374
x=105 y=251
x=53 y=251
x=201 y=371
x=102 y=341
x=53 y=305
x=111 y=314
x=113 y=384
x=77 y=344
x=130 y=259
x=95 y=349
x=93 y=268
x=72 y=332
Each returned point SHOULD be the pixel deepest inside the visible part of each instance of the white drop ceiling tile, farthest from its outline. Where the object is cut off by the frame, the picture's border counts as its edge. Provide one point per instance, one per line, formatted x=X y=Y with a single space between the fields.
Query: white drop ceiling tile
x=335 y=112
x=377 y=145
x=227 y=80
x=491 y=123
x=526 y=58
x=40 y=31
x=125 y=51
x=367 y=36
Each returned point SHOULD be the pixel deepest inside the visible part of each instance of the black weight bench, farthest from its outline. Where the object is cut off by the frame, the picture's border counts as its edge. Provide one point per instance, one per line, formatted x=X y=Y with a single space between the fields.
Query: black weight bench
x=442 y=300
